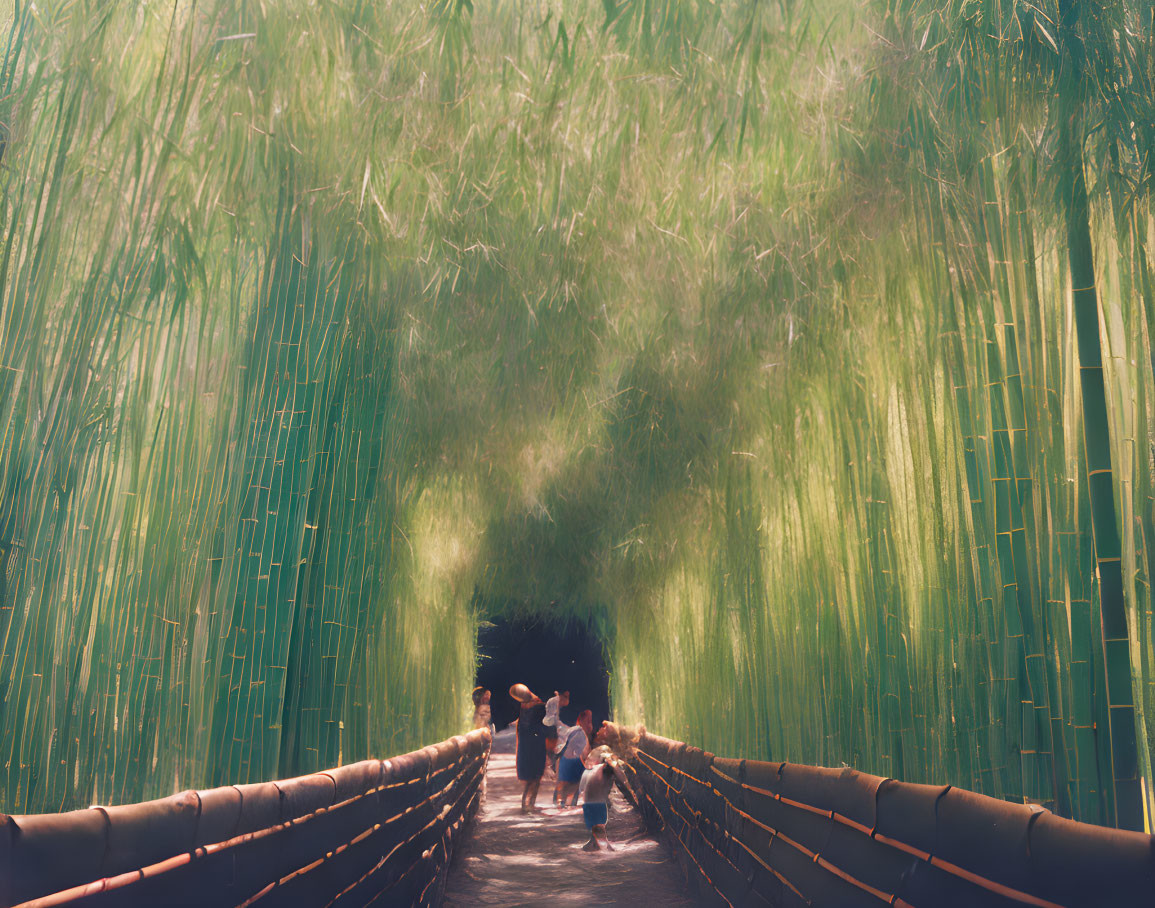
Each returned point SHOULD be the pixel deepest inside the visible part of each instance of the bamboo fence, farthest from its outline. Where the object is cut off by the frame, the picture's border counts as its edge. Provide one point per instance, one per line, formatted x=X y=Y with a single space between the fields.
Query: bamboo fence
x=344 y=837
x=785 y=834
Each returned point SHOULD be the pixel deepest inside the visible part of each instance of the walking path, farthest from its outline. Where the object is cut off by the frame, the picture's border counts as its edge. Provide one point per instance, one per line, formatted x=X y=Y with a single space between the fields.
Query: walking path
x=511 y=859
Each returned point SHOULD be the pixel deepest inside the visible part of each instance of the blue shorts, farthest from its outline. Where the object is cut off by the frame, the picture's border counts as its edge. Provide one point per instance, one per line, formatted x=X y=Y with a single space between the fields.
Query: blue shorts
x=595 y=814
x=570 y=769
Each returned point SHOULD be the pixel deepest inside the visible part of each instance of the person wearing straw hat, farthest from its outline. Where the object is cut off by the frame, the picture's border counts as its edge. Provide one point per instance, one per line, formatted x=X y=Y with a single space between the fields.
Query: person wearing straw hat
x=530 y=759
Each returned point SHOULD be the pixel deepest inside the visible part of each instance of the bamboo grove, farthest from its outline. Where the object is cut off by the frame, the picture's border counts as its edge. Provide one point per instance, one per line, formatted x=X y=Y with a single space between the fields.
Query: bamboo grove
x=761 y=336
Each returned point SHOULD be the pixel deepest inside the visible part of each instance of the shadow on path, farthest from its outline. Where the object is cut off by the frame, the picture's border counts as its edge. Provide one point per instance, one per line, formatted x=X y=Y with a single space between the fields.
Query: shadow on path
x=513 y=859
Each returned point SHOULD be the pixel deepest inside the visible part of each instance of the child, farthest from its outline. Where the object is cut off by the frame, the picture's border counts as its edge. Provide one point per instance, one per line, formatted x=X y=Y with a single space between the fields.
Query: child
x=596 y=785
x=572 y=763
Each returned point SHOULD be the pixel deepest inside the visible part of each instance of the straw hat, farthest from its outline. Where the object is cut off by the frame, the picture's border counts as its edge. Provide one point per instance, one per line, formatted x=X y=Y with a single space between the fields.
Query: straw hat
x=521 y=693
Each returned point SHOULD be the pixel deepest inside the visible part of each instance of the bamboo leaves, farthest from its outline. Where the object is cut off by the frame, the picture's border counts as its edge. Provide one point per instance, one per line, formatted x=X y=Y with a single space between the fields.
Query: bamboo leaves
x=318 y=320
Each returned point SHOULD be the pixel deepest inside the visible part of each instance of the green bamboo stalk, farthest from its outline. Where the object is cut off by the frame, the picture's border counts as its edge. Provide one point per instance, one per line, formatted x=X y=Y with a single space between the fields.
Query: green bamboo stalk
x=1096 y=439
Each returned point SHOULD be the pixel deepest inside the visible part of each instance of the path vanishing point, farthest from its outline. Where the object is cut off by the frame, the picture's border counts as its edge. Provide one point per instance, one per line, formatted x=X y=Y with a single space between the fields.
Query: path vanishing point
x=510 y=859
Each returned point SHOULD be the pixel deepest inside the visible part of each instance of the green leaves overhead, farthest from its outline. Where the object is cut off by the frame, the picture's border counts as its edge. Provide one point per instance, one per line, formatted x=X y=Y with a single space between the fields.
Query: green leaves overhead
x=742 y=331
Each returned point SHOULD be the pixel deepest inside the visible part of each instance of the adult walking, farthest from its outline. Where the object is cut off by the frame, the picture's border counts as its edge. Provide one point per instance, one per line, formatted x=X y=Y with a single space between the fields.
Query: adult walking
x=530 y=758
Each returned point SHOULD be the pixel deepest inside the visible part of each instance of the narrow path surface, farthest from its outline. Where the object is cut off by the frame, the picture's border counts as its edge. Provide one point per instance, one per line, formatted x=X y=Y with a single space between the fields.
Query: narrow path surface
x=513 y=859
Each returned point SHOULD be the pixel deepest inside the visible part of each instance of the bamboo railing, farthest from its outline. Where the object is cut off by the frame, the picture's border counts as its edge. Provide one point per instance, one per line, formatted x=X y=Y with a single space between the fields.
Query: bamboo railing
x=785 y=834
x=376 y=829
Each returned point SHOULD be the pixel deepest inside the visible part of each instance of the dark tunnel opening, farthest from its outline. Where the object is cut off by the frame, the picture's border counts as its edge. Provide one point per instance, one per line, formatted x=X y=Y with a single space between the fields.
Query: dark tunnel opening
x=547 y=655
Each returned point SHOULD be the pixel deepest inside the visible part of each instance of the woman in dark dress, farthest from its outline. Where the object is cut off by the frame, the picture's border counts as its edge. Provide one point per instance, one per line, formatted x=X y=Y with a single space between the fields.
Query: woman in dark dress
x=530 y=750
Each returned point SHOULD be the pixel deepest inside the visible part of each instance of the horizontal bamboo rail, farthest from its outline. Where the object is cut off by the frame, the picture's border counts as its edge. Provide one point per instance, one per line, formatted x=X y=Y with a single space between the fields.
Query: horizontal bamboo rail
x=379 y=828
x=784 y=834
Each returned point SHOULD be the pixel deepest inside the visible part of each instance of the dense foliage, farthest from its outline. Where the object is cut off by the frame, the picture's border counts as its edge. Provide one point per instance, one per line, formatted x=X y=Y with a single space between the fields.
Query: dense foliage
x=743 y=331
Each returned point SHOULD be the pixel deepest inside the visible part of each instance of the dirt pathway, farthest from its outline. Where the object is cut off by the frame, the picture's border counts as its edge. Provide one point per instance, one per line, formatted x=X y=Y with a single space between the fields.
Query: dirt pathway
x=511 y=859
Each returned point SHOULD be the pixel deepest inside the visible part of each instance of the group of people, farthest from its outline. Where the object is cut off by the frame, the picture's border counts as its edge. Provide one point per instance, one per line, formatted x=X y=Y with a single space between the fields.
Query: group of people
x=575 y=754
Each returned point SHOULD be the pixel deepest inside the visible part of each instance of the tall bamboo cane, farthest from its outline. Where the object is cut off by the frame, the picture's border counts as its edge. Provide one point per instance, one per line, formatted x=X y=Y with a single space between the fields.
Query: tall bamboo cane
x=1096 y=438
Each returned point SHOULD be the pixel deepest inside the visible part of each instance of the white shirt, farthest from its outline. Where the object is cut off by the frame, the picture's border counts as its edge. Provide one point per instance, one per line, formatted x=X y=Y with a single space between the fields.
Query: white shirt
x=575 y=744
x=551 y=710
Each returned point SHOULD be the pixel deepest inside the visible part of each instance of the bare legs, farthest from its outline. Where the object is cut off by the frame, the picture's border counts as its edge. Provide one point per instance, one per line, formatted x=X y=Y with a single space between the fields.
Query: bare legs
x=529 y=796
x=598 y=835
x=567 y=789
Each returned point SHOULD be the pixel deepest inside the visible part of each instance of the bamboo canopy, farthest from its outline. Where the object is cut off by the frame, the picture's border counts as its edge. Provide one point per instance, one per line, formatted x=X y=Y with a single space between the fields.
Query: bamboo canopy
x=810 y=369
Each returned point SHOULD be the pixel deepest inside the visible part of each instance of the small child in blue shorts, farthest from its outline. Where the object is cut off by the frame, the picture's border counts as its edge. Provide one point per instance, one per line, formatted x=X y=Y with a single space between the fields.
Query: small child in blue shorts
x=596 y=786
